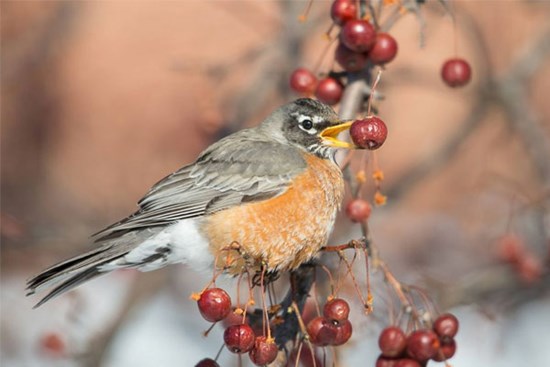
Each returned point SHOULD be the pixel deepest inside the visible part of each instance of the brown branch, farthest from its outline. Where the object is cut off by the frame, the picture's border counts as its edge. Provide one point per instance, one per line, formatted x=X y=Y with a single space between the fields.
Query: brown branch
x=512 y=96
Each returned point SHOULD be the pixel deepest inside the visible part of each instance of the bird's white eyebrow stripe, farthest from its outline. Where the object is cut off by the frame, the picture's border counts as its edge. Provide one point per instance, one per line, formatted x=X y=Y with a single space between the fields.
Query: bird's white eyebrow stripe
x=302 y=118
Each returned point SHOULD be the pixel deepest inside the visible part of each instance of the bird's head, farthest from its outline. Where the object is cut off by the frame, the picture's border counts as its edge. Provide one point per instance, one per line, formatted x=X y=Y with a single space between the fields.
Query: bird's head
x=308 y=124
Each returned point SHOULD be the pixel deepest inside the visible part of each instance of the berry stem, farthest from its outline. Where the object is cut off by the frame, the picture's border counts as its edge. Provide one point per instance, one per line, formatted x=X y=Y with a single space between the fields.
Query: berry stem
x=303 y=330
x=370 y=297
x=305 y=13
x=350 y=272
x=324 y=52
x=398 y=289
x=266 y=325
x=330 y=278
x=373 y=90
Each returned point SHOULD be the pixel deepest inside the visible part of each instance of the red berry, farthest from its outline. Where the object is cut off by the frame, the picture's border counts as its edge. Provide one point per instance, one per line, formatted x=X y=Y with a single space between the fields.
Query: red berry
x=234 y=319
x=407 y=362
x=336 y=310
x=422 y=345
x=321 y=331
x=214 y=304
x=510 y=248
x=53 y=344
x=446 y=351
x=392 y=342
x=384 y=49
x=343 y=333
x=348 y=59
x=446 y=325
x=303 y=81
x=239 y=338
x=456 y=72
x=263 y=352
x=207 y=362
x=529 y=268
x=329 y=91
x=385 y=361
x=358 y=210
x=342 y=11
x=358 y=35
x=369 y=133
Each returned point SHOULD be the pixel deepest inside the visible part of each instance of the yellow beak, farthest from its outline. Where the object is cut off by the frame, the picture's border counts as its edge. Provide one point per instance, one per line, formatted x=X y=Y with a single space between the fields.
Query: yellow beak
x=330 y=135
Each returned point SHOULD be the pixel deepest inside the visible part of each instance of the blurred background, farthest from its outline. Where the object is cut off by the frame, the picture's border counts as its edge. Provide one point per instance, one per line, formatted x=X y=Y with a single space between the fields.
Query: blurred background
x=101 y=99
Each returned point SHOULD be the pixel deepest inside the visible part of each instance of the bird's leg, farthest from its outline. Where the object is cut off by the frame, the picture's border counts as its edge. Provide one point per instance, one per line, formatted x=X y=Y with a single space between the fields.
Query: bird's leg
x=301 y=281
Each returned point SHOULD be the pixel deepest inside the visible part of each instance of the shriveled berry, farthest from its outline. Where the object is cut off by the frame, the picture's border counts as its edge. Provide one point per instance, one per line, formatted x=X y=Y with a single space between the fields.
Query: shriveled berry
x=349 y=60
x=384 y=49
x=343 y=332
x=321 y=331
x=207 y=362
x=422 y=345
x=407 y=362
x=343 y=11
x=446 y=325
x=214 y=304
x=392 y=341
x=456 y=72
x=264 y=351
x=336 y=310
x=239 y=338
x=358 y=210
x=446 y=351
x=303 y=81
x=383 y=361
x=369 y=133
x=358 y=35
x=329 y=91
x=53 y=344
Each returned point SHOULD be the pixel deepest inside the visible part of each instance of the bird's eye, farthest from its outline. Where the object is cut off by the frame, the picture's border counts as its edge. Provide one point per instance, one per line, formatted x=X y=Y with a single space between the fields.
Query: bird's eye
x=307 y=124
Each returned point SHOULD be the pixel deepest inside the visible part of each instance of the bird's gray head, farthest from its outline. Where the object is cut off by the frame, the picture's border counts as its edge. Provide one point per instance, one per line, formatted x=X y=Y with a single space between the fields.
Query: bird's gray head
x=308 y=124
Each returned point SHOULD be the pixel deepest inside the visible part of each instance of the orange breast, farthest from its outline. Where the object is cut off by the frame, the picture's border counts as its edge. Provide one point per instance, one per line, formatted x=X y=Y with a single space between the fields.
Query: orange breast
x=287 y=230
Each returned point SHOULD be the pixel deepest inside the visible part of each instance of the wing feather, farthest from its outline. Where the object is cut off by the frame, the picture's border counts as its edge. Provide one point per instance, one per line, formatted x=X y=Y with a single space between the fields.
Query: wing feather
x=243 y=167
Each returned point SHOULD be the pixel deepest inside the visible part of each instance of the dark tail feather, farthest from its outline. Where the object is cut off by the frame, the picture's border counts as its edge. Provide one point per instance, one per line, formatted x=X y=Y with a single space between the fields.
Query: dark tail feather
x=75 y=271
x=70 y=283
x=59 y=269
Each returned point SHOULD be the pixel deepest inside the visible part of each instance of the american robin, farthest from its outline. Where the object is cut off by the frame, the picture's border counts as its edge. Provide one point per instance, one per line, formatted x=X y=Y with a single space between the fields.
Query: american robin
x=269 y=194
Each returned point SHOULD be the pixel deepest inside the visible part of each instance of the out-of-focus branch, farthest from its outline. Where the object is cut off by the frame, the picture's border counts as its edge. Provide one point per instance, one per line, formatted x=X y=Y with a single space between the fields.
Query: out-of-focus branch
x=512 y=96
x=497 y=282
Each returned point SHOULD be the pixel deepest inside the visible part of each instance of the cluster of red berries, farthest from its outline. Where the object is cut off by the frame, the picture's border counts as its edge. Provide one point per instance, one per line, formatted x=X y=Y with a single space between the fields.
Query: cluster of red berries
x=512 y=250
x=215 y=305
x=359 y=44
x=416 y=349
x=333 y=328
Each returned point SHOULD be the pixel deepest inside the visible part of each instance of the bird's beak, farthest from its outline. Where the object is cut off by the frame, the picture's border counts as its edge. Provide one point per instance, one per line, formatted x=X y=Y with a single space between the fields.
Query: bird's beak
x=329 y=136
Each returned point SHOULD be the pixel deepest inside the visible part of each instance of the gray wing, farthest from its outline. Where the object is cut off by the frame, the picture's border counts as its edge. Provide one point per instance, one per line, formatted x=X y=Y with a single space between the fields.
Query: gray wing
x=239 y=168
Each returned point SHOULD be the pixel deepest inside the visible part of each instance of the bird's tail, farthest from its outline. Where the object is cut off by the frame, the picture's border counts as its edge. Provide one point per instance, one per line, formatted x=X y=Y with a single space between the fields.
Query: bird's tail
x=72 y=272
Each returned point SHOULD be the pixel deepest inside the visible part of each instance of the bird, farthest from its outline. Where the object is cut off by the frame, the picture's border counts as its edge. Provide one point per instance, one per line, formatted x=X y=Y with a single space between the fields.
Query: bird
x=265 y=196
